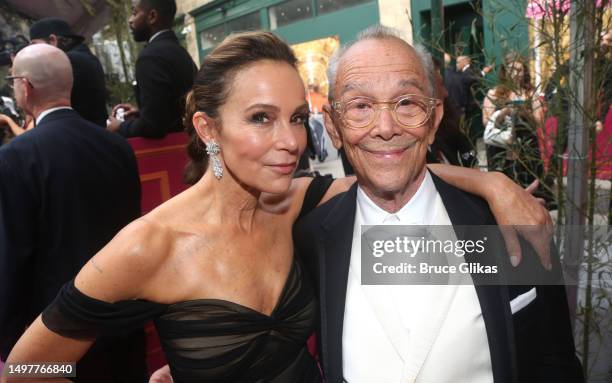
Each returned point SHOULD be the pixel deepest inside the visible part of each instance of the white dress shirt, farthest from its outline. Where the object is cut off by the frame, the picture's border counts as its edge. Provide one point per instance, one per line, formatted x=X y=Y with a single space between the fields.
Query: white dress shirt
x=411 y=333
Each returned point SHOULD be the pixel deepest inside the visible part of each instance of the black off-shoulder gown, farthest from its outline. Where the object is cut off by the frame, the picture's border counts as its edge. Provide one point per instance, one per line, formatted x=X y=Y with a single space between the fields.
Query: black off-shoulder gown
x=211 y=340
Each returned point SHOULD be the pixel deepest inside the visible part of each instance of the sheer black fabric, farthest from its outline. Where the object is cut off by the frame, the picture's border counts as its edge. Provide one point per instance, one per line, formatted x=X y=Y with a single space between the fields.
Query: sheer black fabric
x=211 y=340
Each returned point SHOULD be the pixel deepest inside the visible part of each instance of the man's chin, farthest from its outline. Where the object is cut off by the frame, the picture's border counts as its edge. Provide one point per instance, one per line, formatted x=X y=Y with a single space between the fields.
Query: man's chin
x=139 y=37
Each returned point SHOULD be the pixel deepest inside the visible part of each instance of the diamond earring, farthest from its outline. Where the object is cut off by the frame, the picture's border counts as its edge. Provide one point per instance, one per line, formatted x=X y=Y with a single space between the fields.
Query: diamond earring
x=212 y=149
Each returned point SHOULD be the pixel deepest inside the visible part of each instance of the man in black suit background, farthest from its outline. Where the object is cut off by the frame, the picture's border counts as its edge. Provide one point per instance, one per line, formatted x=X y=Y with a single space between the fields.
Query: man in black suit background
x=67 y=187
x=88 y=96
x=457 y=333
x=164 y=74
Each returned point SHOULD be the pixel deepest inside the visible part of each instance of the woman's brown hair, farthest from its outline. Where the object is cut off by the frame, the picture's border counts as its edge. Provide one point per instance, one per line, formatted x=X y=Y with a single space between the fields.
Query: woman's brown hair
x=213 y=84
x=506 y=85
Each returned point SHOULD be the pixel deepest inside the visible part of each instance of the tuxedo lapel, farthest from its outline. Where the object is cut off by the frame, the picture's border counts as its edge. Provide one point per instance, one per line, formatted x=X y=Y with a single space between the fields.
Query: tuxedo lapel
x=335 y=253
x=494 y=300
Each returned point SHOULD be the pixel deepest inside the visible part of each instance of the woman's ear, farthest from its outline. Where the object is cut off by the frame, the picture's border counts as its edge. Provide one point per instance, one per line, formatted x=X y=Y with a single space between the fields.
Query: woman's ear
x=204 y=126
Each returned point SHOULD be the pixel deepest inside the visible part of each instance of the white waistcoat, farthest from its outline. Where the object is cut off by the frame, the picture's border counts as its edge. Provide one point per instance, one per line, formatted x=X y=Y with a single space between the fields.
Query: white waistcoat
x=428 y=334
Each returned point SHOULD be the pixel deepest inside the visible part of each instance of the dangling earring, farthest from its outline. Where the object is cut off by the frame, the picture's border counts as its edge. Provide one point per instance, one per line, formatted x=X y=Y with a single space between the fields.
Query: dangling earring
x=212 y=149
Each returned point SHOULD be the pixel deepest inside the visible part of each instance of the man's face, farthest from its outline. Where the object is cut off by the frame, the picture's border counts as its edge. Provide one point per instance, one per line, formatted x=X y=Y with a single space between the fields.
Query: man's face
x=138 y=22
x=462 y=62
x=19 y=90
x=387 y=157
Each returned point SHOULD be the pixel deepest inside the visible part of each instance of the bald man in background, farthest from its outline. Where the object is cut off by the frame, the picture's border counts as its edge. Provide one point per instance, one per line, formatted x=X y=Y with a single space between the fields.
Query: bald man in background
x=68 y=186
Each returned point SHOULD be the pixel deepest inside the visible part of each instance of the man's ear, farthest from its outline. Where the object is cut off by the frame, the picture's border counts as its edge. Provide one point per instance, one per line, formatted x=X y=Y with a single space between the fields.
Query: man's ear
x=204 y=126
x=53 y=40
x=333 y=129
x=438 y=113
x=152 y=16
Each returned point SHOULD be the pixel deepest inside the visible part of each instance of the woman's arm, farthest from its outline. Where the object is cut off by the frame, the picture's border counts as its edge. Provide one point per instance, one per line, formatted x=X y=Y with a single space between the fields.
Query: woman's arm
x=488 y=107
x=39 y=344
x=122 y=270
x=514 y=209
x=16 y=129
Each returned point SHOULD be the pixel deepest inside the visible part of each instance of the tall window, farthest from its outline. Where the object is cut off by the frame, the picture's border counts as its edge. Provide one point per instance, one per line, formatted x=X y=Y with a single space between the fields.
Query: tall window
x=327 y=6
x=210 y=37
x=289 y=12
x=248 y=22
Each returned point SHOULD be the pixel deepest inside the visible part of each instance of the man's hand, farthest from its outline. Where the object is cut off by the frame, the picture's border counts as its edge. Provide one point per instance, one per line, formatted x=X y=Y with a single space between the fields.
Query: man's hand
x=130 y=110
x=161 y=376
x=112 y=124
x=518 y=212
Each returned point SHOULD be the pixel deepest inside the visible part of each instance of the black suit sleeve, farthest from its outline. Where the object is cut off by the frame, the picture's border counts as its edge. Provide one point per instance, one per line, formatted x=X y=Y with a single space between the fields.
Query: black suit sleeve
x=156 y=100
x=17 y=228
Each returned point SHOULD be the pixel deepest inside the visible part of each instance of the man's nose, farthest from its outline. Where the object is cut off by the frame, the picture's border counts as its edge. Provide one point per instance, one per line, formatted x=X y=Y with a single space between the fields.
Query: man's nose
x=385 y=126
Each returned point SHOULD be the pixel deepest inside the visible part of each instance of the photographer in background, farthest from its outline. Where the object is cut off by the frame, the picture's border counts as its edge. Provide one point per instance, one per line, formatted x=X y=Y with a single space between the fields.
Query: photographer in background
x=10 y=118
x=88 y=96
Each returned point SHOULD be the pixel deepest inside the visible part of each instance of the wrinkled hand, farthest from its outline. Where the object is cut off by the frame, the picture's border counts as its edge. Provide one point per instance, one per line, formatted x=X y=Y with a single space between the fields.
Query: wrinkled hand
x=130 y=110
x=161 y=376
x=519 y=213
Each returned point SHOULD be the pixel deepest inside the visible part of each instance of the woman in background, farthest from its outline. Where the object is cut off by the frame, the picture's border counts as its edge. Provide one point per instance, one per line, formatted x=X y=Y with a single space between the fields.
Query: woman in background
x=512 y=113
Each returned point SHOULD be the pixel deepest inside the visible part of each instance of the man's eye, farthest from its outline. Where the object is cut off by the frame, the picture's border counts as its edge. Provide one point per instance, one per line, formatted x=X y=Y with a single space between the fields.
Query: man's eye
x=362 y=105
x=260 y=118
x=405 y=102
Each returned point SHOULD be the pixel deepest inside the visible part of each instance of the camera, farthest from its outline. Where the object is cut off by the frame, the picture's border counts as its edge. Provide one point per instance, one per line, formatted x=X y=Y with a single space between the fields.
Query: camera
x=11 y=46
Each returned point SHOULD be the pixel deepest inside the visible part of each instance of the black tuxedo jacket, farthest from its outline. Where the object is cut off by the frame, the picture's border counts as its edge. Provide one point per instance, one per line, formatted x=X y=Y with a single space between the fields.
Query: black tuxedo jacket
x=534 y=345
x=88 y=96
x=164 y=74
x=66 y=188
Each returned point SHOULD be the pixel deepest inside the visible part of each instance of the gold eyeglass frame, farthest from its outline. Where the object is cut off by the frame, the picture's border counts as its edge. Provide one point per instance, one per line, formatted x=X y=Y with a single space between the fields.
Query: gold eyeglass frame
x=391 y=105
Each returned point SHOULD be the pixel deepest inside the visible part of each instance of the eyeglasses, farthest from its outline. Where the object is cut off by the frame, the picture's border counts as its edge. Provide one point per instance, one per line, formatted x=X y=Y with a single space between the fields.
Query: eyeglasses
x=10 y=80
x=409 y=111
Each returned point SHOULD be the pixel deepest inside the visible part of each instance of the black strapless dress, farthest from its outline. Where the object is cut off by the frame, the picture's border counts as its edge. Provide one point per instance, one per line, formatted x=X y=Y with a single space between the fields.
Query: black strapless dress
x=211 y=340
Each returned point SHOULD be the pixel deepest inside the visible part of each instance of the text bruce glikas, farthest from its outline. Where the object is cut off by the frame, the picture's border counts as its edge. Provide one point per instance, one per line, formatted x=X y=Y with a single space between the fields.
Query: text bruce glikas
x=410 y=247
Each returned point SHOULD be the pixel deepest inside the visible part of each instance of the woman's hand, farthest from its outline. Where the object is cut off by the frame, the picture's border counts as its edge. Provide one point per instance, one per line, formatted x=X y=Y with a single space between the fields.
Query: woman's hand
x=514 y=208
x=519 y=213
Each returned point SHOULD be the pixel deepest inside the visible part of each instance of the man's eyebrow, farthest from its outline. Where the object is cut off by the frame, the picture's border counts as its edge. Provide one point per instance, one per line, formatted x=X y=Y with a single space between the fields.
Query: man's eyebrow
x=352 y=86
x=364 y=86
x=410 y=83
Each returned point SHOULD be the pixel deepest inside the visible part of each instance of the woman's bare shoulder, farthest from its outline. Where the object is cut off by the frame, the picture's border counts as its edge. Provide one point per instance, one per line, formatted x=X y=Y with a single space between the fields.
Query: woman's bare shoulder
x=123 y=267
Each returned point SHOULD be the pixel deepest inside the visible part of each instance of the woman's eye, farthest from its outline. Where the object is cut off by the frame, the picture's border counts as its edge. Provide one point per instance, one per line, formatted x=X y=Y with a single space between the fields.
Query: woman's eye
x=300 y=118
x=260 y=118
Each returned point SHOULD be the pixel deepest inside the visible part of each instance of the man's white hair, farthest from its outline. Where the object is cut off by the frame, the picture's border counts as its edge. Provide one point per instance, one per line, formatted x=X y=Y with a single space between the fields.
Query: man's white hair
x=379 y=32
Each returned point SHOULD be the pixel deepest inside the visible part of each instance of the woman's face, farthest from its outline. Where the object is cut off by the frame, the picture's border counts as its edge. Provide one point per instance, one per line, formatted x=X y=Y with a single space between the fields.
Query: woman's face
x=516 y=72
x=262 y=132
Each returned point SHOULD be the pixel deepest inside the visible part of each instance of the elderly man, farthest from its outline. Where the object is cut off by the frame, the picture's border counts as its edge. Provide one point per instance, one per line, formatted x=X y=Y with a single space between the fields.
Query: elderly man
x=68 y=186
x=384 y=114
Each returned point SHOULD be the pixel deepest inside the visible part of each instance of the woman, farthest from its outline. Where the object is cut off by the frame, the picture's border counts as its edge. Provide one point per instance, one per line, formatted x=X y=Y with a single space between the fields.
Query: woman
x=214 y=266
x=14 y=129
x=512 y=113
